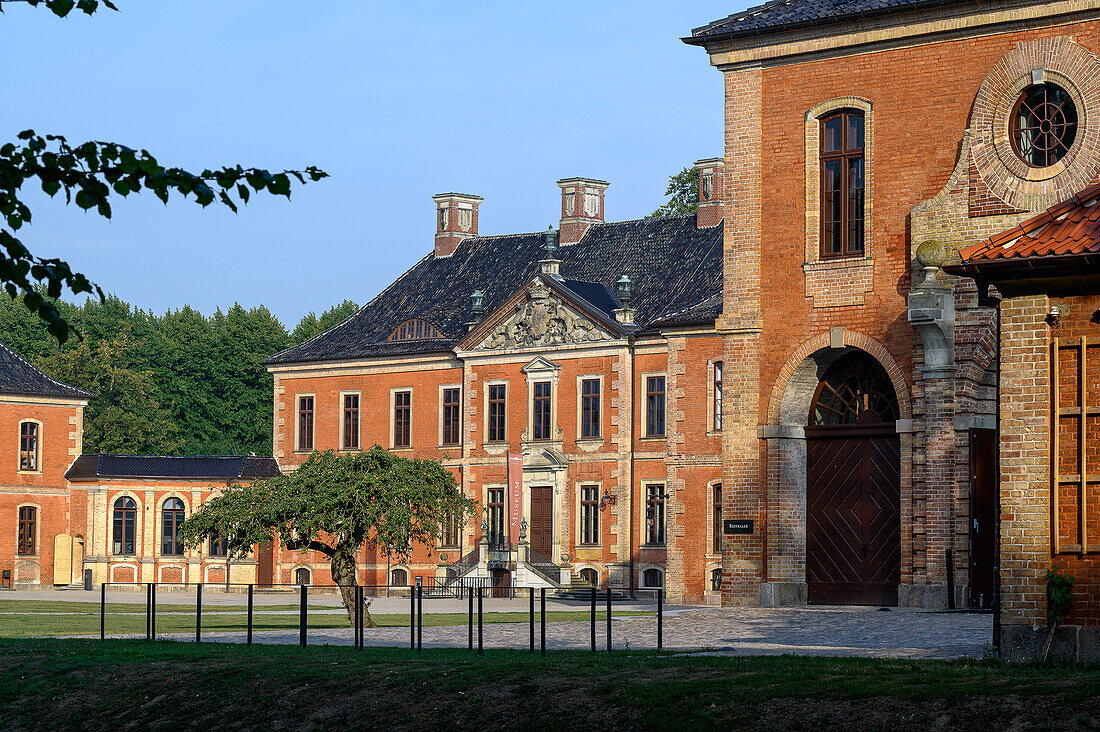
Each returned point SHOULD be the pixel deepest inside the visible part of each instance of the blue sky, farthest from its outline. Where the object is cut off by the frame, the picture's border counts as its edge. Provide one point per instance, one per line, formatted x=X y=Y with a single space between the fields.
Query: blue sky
x=397 y=101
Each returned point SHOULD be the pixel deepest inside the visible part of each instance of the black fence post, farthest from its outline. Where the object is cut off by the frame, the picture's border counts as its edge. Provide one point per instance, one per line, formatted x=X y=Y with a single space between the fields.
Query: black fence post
x=660 y=619
x=148 y=609
x=470 y=620
x=531 y=618
x=103 y=611
x=361 y=622
x=248 y=640
x=542 y=619
x=609 y=618
x=419 y=616
x=480 y=630
x=198 y=614
x=153 y=595
x=302 y=617
x=592 y=619
x=412 y=618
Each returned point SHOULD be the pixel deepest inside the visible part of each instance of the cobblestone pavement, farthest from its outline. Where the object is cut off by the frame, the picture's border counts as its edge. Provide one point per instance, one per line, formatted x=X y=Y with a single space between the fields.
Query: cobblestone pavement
x=818 y=631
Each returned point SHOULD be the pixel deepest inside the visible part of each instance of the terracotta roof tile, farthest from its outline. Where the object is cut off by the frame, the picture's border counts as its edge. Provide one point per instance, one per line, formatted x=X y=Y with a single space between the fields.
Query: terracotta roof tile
x=1069 y=227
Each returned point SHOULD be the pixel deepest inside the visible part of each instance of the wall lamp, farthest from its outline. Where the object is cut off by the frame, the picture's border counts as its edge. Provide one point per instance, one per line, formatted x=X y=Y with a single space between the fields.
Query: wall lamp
x=1054 y=316
x=608 y=499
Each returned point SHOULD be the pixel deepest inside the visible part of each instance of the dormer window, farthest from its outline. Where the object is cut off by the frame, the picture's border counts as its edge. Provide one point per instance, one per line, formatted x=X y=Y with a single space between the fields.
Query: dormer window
x=415 y=329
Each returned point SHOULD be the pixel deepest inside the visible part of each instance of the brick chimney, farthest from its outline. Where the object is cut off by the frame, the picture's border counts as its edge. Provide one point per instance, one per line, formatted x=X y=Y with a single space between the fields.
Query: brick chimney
x=581 y=206
x=455 y=220
x=712 y=191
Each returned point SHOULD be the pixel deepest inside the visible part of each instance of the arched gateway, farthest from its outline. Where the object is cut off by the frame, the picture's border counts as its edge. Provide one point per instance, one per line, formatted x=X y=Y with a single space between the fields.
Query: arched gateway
x=853 y=486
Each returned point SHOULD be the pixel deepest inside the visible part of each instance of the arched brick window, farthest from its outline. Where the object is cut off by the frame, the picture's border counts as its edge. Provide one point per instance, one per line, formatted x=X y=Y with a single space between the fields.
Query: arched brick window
x=301 y=576
x=590 y=576
x=842 y=184
x=172 y=516
x=125 y=526
x=28 y=446
x=399 y=578
x=28 y=530
x=653 y=578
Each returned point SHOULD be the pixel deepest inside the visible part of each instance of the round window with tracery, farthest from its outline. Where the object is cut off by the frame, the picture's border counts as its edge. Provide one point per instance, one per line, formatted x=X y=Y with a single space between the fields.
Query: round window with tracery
x=1043 y=125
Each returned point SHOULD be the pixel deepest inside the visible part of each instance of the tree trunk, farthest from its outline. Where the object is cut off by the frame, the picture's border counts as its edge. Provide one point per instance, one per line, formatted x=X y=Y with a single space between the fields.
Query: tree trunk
x=344 y=574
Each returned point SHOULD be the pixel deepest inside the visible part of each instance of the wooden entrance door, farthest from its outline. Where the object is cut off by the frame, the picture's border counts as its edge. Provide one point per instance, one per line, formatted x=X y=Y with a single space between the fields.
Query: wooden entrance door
x=983 y=520
x=501 y=579
x=542 y=520
x=853 y=516
x=265 y=566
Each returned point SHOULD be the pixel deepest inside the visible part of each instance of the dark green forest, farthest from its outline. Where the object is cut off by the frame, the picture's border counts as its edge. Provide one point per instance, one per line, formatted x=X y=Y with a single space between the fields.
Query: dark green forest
x=181 y=383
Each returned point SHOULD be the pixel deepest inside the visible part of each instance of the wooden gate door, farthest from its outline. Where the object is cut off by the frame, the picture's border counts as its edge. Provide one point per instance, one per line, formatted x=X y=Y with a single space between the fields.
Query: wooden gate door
x=542 y=520
x=853 y=516
x=265 y=566
x=983 y=507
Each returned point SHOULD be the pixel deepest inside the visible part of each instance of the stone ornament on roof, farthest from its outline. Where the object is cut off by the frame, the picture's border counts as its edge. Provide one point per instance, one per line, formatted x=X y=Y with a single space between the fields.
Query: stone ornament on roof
x=543 y=320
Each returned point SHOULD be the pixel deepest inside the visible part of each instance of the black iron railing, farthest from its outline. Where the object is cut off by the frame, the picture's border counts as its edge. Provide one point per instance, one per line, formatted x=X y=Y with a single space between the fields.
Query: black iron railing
x=546 y=568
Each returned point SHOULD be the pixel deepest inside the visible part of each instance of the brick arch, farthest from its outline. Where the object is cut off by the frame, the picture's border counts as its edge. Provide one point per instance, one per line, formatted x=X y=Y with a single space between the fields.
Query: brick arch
x=822 y=342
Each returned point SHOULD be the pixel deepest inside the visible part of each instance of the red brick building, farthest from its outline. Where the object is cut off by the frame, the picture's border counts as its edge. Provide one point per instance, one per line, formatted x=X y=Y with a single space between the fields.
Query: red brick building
x=591 y=353
x=860 y=379
x=1044 y=278
x=41 y=426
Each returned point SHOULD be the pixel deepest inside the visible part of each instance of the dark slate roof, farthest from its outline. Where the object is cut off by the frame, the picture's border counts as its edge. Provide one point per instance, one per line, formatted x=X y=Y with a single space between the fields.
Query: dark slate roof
x=781 y=15
x=190 y=467
x=671 y=263
x=702 y=312
x=19 y=376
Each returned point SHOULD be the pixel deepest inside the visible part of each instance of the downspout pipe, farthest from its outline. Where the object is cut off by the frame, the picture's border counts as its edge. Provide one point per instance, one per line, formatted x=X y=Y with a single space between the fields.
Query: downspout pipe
x=633 y=447
x=986 y=300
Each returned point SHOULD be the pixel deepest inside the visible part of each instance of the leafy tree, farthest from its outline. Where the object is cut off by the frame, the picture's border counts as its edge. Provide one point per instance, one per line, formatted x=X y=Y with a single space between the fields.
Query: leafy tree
x=336 y=504
x=683 y=193
x=125 y=416
x=90 y=174
x=310 y=325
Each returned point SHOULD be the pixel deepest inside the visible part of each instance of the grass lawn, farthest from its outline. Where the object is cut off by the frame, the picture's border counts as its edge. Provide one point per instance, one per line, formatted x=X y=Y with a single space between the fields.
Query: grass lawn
x=36 y=619
x=47 y=684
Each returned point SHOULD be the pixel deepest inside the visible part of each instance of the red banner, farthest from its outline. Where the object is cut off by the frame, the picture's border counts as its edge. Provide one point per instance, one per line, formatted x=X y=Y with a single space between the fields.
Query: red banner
x=515 y=495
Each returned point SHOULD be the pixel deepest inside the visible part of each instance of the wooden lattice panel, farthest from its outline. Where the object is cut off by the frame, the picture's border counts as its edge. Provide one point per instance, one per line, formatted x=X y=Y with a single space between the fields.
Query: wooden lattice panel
x=1075 y=452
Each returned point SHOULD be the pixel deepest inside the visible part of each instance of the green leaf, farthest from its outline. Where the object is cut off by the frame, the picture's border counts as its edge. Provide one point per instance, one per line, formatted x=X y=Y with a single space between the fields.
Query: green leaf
x=85 y=200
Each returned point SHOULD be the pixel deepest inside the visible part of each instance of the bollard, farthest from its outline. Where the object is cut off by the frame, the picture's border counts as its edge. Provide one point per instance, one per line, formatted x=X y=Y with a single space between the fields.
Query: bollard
x=412 y=618
x=249 y=638
x=419 y=616
x=592 y=619
x=480 y=633
x=103 y=611
x=531 y=618
x=470 y=620
x=148 y=608
x=660 y=619
x=302 y=618
x=198 y=614
x=542 y=619
x=153 y=596
x=609 y=617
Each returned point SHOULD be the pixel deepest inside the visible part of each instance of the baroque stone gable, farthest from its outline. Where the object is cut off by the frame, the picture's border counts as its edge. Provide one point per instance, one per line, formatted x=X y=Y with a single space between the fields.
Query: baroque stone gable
x=543 y=320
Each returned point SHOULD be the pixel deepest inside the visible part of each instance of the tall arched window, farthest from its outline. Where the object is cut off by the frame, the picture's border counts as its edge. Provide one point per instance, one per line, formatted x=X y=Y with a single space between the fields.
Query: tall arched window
x=28 y=525
x=842 y=183
x=170 y=542
x=28 y=446
x=125 y=526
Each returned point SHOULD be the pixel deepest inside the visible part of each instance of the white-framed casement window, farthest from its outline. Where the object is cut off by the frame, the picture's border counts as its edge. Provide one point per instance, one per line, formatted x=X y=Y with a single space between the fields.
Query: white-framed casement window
x=30 y=446
x=349 y=420
x=588 y=495
x=654 y=507
x=590 y=407
x=653 y=411
x=27 y=531
x=303 y=436
x=542 y=399
x=401 y=418
x=496 y=411
x=450 y=415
